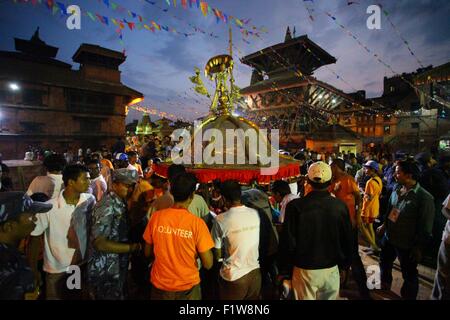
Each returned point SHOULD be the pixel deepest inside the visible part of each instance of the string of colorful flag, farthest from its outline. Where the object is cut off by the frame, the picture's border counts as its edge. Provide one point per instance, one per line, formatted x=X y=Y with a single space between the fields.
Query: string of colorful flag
x=206 y=9
x=406 y=43
x=151 y=25
x=376 y=56
x=309 y=10
x=219 y=15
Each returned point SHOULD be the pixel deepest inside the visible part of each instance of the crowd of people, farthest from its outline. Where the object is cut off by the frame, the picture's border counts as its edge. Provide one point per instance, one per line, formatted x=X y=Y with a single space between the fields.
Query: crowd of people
x=131 y=234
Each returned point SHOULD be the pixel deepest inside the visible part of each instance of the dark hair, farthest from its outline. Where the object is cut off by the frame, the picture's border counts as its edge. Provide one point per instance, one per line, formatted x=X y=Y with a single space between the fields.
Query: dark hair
x=92 y=161
x=300 y=156
x=231 y=190
x=339 y=163
x=55 y=162
x=157 y=181
x=131 y=153
x=73 y=172
x=174 y=170
x=182 y=186
x=409 y=167
x=281 y=187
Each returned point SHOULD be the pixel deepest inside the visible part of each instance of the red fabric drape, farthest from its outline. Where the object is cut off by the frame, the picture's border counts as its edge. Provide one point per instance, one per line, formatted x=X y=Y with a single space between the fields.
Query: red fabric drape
x=244 y=176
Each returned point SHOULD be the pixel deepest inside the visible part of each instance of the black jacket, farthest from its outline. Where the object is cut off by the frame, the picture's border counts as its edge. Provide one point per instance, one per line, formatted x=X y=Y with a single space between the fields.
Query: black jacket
x=317 y=233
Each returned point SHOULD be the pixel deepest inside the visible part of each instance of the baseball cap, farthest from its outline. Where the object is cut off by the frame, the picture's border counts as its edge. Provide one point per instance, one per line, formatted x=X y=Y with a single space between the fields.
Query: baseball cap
x=15 y=203
x=126 y=176
x=371 y=164
x=319 y=172
x=121 y=157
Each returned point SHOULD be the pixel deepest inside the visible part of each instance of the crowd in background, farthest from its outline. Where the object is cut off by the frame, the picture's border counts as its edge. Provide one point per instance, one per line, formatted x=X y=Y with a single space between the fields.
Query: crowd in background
x=136 y=235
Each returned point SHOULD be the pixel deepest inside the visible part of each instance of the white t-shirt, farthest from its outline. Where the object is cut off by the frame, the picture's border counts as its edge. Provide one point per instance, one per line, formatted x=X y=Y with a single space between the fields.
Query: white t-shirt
x=446 y=233
x=131 y=167
x=236 y=232
x=51 y=185
x=65 y=232
x=98 y=187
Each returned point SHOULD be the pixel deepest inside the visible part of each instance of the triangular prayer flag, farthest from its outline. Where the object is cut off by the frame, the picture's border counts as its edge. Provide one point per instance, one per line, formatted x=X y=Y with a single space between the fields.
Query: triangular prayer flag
x=204 y=8
x=113 y=5
x=99 y=17
x=114 y=21
x=184 y=3
x=121 y=25
x=168 y=2
x=49 y=4
x=198 y=3
x=238 y=22
x=33 y=2
x=90 y=15
x=140 y=18
x=210 y=10
x=165 y=28
x=130 y=25
x=190 y=3
x=146 y=27
x=225 y=18
x=106 y=2
x=133 y=14
x=157 y=26
x=62 y=7
x=55 y=9
x=106 y=20
x=175 y=3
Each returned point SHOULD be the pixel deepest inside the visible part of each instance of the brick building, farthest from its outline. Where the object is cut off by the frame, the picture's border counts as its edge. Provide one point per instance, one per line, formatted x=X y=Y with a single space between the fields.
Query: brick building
x=44 y=102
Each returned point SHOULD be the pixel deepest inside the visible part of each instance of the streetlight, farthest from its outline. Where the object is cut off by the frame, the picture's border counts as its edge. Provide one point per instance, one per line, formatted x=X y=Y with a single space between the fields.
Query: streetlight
x=13 y=86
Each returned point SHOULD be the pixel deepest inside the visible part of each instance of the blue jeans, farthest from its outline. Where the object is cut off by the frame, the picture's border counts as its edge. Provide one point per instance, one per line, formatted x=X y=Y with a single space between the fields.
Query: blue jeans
x=408 y=267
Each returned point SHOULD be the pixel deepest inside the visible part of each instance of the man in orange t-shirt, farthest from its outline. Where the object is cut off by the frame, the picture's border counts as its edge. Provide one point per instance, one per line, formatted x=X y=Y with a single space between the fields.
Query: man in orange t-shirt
x=344 y=187
x=175 y=237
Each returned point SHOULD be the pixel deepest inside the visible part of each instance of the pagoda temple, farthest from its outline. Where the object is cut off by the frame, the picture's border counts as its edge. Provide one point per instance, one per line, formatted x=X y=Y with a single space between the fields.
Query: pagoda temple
x=283 y=93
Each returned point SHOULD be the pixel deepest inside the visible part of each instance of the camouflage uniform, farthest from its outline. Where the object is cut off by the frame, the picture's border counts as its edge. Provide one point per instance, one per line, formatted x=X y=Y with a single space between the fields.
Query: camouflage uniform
x=16 y=277
x=107 y=272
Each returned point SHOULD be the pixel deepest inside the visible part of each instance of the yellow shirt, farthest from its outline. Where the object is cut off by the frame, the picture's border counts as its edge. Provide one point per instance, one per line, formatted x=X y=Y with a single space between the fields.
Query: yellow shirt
x=371 y=200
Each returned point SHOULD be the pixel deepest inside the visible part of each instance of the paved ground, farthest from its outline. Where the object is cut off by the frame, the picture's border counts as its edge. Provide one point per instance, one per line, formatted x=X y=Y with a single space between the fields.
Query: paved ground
x=426 y=278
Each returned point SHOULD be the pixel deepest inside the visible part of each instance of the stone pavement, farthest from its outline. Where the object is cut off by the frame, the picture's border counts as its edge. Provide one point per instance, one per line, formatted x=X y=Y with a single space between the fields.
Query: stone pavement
x=426 y=278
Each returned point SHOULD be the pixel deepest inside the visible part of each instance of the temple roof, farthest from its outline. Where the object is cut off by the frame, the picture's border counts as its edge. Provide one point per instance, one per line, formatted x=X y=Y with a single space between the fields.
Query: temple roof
x=94 y=54
x=294 y=53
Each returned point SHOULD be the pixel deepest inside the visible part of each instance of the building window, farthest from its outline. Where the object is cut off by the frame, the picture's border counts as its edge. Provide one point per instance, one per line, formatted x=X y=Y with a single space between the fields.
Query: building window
x=33 y=97
x=32 y=127
x=90 y=102
x=415 y=125
x=387 y=129
x=90 y=126
x=391 y=88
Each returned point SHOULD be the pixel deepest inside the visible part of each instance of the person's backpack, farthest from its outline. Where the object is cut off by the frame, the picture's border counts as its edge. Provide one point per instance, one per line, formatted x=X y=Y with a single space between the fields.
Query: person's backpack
x=268 y=236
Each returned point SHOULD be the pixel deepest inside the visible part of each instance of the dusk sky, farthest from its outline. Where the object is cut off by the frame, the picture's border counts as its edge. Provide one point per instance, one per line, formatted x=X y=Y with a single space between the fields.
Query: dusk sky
x=159 y=64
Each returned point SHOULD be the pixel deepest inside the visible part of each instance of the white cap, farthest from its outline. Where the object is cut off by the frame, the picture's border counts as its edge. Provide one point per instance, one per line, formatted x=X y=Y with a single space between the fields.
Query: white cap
x=319 y=172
